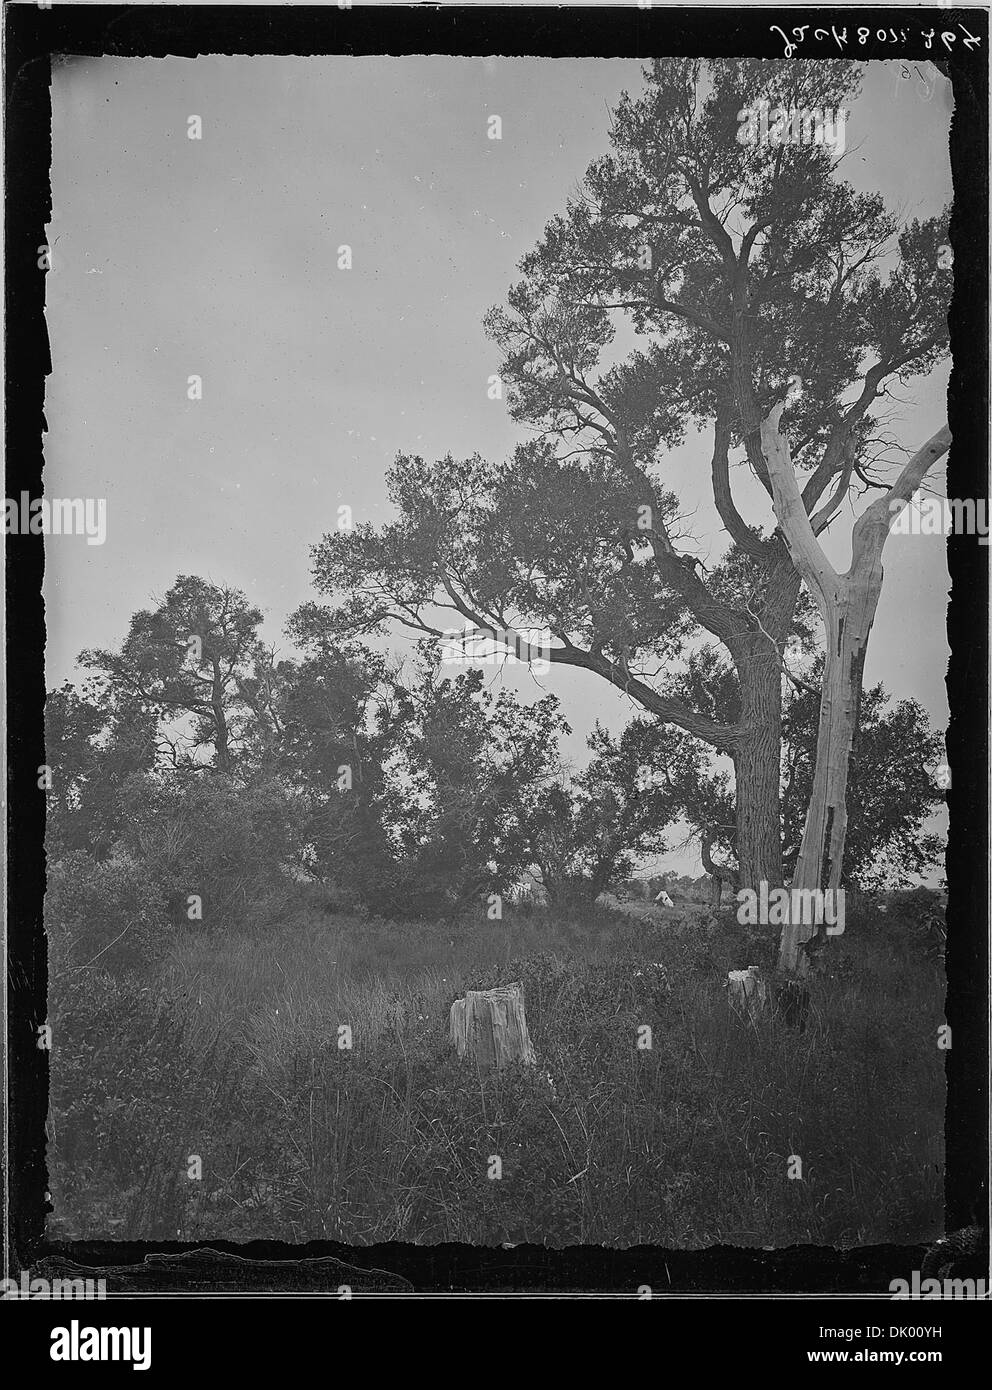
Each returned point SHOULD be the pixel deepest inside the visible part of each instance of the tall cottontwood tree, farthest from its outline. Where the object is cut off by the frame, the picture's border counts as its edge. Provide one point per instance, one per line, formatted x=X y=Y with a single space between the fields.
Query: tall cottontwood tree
x=749 y=268
x=754 y=276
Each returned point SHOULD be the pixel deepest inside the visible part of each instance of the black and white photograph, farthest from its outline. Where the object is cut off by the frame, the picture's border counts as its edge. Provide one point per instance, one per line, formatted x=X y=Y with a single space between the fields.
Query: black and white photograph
x=490 y=754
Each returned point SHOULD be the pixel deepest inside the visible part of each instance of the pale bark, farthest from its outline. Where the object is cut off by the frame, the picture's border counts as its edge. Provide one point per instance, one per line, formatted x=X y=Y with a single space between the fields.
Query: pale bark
x=490 y=1028
x=747 y=992
x=847 y=604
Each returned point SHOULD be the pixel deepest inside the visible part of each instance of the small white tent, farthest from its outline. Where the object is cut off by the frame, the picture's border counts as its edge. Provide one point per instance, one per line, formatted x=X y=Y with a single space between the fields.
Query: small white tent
x=663 y=899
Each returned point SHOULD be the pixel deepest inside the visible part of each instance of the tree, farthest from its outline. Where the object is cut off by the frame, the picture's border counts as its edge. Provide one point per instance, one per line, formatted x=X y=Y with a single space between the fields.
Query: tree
x=216 y=849
x=416 y=779
x=847 y=603
x=92 y=744
x=465 y=764
x=585 y=832
x=186 y=660
x=890 y=791
x=753 y=277
x=402 y=788
x=342 y=714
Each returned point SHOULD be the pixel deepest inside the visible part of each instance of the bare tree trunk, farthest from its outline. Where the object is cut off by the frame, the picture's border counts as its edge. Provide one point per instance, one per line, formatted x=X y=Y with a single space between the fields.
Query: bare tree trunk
x=847 y=605
x=848 y=623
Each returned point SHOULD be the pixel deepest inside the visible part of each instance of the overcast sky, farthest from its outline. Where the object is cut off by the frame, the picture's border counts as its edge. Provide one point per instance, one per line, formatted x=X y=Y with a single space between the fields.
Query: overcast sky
x=217 y=257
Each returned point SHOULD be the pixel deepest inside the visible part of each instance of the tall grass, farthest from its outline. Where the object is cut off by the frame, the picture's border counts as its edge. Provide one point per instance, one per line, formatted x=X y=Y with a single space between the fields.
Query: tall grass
x=690 y=1142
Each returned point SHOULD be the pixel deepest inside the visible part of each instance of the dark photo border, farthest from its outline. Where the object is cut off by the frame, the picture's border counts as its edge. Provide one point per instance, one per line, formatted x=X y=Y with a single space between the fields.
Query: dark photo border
x=33 y=35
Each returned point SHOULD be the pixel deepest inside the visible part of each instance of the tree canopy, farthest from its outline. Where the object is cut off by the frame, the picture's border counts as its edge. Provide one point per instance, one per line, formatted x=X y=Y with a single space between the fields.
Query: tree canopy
x=691 y=285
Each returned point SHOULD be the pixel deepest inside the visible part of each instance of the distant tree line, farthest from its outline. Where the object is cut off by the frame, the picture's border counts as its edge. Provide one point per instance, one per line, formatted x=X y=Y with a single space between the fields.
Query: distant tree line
x=196 y=777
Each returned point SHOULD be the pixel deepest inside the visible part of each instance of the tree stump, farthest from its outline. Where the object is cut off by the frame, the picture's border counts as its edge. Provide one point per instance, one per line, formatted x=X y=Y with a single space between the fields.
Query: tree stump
x=489 y=1027
x=747 y=992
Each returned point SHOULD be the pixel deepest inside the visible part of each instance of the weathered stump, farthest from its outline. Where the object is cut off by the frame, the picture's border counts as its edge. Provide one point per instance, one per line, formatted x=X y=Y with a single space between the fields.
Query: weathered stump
x=747 y=992
x=490 y=1027
x=758 y=993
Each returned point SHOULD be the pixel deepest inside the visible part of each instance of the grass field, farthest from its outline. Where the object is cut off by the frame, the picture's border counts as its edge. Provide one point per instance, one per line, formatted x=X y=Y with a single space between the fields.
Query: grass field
x=214 y=1100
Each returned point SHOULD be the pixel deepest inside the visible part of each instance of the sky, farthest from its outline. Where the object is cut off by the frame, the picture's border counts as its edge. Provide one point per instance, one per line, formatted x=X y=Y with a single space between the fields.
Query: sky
x=217 y=257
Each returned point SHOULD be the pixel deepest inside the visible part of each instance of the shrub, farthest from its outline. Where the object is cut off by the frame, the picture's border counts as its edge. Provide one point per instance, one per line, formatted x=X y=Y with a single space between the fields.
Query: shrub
x=129 y=1102
x=208 y=835
x=104 y=915
x=407 y=892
